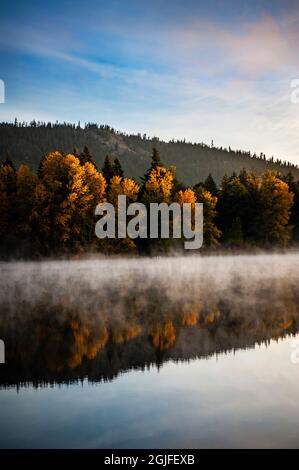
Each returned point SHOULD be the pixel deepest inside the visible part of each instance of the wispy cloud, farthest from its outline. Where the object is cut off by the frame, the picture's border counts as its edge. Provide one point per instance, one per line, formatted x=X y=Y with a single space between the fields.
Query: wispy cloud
x=198 y=77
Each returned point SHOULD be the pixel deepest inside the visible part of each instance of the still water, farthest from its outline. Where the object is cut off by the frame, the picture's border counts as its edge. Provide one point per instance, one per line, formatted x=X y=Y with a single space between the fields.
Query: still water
x=177 y=352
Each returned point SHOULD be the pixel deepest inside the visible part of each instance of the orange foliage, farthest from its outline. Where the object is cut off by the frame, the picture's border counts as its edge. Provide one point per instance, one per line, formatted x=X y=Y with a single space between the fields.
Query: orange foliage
x=190 y=319
x=164 y=336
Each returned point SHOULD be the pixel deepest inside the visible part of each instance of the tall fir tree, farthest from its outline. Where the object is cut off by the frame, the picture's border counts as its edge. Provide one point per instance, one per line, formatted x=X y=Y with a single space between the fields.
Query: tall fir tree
x=107 y=169
x=8 y=161
x=210 y=185
x=117 y=168
x=86 y=157
x=155 y=163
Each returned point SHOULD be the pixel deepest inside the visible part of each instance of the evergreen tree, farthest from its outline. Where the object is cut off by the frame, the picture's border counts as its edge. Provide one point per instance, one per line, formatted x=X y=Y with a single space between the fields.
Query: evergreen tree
x=107 y=169
x=86 y=157
x=117 y=168
x=75 y=152
x=211 y=233
x=155 y=163
x=233 y=203
x=7 y=199
x=8 y=161
x=235 y=232
x=26 y=181
x=210 y=185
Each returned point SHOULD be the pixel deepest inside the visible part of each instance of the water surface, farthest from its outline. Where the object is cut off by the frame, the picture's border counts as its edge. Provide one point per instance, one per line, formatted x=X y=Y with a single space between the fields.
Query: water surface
x=177 y=352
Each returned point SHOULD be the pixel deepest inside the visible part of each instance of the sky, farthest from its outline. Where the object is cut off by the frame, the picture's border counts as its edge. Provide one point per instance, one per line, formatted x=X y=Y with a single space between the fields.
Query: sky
x=216 y=70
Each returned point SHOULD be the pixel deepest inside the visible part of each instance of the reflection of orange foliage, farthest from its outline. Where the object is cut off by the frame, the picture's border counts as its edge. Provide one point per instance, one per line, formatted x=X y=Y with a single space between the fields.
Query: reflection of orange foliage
x=189 y=319
x=211 y=317
x=121 y=333
x=164 y=336
x=85 y=344
x=285 y=325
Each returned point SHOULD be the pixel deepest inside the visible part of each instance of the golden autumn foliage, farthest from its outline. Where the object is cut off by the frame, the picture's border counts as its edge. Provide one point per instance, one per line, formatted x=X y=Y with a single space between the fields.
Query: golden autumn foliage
x=130 y=189
x=159 y=184
x=186 y=196
x=125 y=186
x=276 y=201
x=64 y=200
x=53 y=211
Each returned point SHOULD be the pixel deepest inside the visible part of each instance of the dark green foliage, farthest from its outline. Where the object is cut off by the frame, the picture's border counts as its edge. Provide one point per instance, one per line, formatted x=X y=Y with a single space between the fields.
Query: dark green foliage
x=8 y=161
x=155 y=162
x=117 y=168
x=107 y=169
x=234 y=234
x=246 y=207
x=294 y=219
x=210 y=185
x=193 y=161
x=86 y=157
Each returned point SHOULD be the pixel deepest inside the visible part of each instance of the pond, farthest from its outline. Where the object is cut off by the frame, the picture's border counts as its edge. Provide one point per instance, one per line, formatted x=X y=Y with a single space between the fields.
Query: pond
x=180 y=352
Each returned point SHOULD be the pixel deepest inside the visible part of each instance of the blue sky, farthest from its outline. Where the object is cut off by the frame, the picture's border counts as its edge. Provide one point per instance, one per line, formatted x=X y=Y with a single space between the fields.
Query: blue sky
x=205 y=70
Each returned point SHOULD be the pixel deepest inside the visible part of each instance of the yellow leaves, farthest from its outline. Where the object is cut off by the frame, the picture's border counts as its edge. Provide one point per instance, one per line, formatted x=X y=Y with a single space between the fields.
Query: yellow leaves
x=186 y=196
x=25 y=176
x=126 y=186
x=65 y=199
x=159 y=184
x=209 y=199
x=94 y=181
x=130 y=189
x=116 y=182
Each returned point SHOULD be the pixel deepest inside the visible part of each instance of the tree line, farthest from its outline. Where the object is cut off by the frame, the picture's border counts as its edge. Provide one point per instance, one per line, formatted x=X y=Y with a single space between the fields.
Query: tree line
x=51 y=210
x=26 y=142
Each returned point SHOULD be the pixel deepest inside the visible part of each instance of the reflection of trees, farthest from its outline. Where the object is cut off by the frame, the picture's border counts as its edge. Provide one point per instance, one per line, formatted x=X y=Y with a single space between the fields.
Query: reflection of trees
x=97 y=334
x=163 y=336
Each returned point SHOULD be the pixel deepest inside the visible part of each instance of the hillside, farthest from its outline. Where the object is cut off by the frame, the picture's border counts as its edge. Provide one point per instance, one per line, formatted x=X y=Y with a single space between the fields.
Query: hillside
x=28 y=143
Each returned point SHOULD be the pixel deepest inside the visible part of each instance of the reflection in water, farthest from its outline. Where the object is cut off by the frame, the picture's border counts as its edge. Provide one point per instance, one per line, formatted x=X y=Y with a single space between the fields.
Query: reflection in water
x=64 y=321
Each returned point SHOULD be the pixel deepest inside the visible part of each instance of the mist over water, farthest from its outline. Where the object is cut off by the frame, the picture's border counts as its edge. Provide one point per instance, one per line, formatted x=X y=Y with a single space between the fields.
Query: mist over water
x=150 y=352
x=179 y=278
x=60 y=318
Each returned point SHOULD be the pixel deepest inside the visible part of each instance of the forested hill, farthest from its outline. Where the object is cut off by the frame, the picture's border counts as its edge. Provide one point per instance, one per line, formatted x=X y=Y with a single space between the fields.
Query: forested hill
x=27 y=143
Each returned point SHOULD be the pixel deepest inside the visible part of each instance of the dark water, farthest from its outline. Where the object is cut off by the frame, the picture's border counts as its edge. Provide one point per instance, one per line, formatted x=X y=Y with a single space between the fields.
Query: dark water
x=180 y=352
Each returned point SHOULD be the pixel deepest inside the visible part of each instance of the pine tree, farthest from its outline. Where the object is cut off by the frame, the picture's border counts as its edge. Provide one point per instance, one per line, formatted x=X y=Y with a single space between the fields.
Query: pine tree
x=107 y=169
x=211 y=233
x=210 y=185
x=86 y=157
x=8 y=161
x=155 y=163
x=235 y=232
x=75 y=152
x=117 y=168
